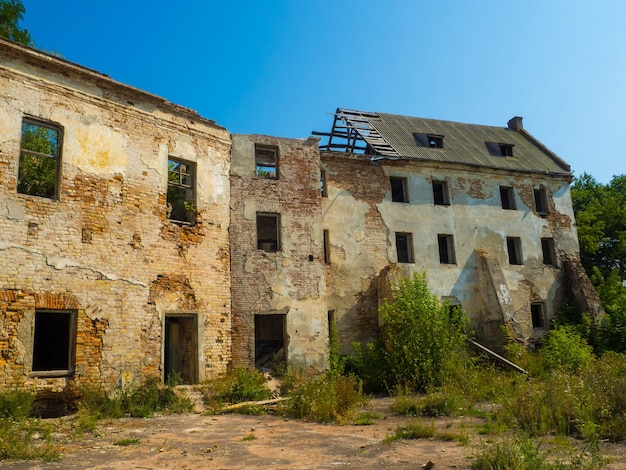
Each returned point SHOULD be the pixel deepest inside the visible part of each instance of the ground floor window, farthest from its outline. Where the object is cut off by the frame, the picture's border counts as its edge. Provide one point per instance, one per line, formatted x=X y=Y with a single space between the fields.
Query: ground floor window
x=54 y=341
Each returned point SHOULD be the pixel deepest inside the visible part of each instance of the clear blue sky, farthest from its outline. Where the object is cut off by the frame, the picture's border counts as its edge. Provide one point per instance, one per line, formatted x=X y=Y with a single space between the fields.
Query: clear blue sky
x=279 y=67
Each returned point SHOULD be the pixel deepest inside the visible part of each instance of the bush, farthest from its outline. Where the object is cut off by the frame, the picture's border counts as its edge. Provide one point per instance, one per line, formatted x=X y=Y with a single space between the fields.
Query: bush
x=565 y=349
x=236 y=387
x=326 y=399
x=422 y=337
x=16 y=404
x=141 y=402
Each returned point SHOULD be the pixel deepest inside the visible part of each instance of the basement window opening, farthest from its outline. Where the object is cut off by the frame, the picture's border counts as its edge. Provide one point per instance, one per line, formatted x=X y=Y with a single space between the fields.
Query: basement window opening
x=404 y=247
x=266 y=159
x=440 y=193
x=181 y=206
x=40 y=158
x=53 y=343
x=446 y=249
x=507 y=197
x=514 y=248
x=435 y=141
x=268 y=231
x=398 y=189
x=541 y=202
x=537 y=314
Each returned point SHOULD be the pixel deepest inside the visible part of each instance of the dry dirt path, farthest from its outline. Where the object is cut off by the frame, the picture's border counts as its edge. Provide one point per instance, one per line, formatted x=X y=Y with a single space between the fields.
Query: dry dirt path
x=195 y=441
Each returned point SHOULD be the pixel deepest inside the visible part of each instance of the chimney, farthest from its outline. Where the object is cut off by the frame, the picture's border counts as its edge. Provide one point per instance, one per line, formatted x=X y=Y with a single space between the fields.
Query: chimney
x=515 y=123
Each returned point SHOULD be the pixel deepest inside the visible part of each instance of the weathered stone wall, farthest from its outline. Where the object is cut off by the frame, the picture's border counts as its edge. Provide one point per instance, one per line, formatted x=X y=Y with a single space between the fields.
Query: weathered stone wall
x=105 y=248
x=289 y=281
x=362 y=221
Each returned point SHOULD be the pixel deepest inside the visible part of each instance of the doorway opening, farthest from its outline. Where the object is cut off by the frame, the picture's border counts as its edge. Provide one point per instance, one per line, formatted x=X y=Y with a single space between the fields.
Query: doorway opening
x=180 y=349
x=270 y=341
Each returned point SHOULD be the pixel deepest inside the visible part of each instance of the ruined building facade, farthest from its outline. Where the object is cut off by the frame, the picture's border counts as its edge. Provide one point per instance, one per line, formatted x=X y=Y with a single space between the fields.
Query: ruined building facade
x=138 y=238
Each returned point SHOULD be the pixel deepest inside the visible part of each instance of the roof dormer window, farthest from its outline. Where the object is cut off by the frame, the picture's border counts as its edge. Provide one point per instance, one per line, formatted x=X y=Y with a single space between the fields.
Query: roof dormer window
x=506 y=150
x=435 y=141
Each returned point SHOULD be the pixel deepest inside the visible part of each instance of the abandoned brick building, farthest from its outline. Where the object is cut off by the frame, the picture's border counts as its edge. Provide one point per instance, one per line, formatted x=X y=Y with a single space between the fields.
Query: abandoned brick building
x=138 y=238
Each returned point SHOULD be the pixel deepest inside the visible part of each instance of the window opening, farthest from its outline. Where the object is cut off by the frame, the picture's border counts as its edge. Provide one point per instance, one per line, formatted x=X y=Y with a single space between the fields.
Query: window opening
x=40 y=155
x=514 y=247
x=446 y=249
x=53 y=343
x=440 y=193
x=266 y=159
x=507 y=196
x=268 y=230
x=181 y=206
x=398 y=189
x=541 y=202
x=435 y=141
x=506 y=150
x=326 y=247
x=180 y=348
x=404 y=247
x=549 y=254
x=536 y=312
x=323 y=190
x=270 y=341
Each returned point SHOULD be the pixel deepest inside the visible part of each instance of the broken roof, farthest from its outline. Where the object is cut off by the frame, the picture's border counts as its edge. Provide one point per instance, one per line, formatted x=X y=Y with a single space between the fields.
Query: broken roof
x=390 y=136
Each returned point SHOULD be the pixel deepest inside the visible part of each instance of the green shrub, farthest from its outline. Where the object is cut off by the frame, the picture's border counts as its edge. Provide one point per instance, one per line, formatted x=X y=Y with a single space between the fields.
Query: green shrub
x=142 y=402
x=369 y=362
x=16 y=404
x=235 y=387
x=415 y=430
x=517 y=454
x=565 y=349
x=326 y=399
x=422 y=336
x=17 y=443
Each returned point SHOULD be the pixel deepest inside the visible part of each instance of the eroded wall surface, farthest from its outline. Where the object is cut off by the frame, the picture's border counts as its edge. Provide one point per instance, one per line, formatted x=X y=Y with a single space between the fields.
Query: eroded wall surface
x=288 y=281
x=362 y=221
x=104 y=248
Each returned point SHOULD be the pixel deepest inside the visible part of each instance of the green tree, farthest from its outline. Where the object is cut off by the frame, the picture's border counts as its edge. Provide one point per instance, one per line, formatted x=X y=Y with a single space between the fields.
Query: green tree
x=601 y=221
x=422 y=337
x=11 y=13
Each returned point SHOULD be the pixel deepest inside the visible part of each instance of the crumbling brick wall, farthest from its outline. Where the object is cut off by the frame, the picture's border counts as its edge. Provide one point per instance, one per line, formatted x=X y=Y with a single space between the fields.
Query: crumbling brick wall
x=288 y=281
x=106 y=241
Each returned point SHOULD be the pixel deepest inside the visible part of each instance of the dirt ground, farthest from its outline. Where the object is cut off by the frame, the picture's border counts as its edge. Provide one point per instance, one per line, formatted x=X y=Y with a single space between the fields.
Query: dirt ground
x=232 y=441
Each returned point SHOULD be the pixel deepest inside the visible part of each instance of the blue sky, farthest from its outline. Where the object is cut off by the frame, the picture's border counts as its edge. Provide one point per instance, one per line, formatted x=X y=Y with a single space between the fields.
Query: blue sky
x=279 y=67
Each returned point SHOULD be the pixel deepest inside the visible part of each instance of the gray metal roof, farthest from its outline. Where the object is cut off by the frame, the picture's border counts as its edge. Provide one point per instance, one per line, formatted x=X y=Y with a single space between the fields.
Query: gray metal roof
x=467 y=143
x=390 y=136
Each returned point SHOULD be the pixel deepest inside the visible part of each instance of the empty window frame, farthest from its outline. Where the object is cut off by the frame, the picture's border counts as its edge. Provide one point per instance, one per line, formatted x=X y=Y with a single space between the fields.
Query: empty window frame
x=541 y=202
x=404 y=247
x=40 y=159
x=435 y=141
x=506 y=150
x=326 y=247
x=323 y=190
x=446 y=249
x=514 y=248
x=398 y=189
x=266 y=160
x=507 y=197
x=268 y=231
x=549 y=253
x=537 y=314
x=181 y=198
x=441 y=195
x=53 y=342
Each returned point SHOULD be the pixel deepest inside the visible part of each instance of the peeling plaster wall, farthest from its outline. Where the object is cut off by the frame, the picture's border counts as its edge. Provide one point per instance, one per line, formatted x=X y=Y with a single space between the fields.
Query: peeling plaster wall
x=289 y=281
x=106 y=242
x=362 y=221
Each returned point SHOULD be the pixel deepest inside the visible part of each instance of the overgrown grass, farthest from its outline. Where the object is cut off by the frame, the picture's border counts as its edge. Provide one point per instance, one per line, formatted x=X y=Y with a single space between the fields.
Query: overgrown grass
x=127 y=441
x=238 y=386
x=22 y=437
x=142 y=401
x=329 y=398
